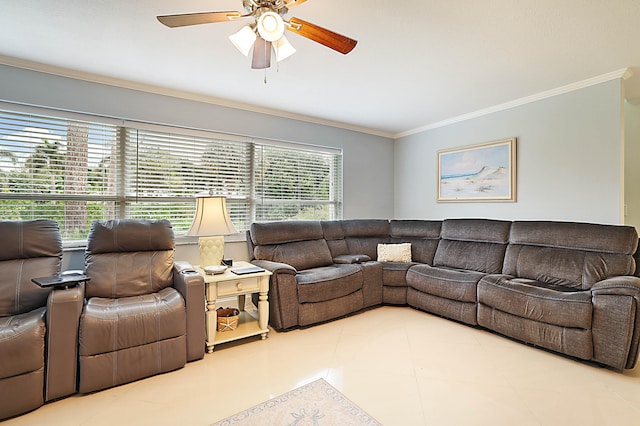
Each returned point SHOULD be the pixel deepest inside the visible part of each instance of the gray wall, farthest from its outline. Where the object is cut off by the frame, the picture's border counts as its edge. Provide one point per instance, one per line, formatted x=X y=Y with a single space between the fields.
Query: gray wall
x=632 y=163
x=569 y=164
x=368 y=159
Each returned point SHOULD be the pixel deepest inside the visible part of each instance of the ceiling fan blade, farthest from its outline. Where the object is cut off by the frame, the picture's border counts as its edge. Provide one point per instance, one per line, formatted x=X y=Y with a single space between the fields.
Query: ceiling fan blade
x=321 y=35
x=261 y=54
x=186 y=19
x=292 y=3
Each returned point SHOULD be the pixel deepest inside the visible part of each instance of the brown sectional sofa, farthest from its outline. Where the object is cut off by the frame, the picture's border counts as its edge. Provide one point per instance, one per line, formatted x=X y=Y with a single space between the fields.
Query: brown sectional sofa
x=567 y=287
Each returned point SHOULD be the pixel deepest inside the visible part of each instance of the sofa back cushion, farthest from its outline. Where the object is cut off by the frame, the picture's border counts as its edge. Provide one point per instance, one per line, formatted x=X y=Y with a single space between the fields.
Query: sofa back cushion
x=285 y=232
x=422 y=234
x=473 y=244
x=129 y=257
x=300 y=254
x=334 y=235
x=300 y=244
x=364 y=235
x=31 y=249
x=568 y=254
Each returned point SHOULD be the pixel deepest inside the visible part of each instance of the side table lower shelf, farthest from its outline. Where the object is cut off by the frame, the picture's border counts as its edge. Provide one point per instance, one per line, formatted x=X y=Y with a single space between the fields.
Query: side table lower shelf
x=248 y=326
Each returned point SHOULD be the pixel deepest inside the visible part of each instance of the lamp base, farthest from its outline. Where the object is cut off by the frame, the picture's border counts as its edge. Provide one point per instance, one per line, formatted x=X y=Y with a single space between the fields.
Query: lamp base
x=211 y=250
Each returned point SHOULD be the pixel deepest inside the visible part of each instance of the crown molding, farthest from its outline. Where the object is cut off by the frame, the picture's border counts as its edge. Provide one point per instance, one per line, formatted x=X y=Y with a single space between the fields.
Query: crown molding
x=181 y=94
x=624 y=73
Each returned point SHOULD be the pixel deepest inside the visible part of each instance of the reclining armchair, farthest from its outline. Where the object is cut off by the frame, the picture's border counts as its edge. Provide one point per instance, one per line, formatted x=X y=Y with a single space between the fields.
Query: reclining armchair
x=144 y=313
x=38 y=326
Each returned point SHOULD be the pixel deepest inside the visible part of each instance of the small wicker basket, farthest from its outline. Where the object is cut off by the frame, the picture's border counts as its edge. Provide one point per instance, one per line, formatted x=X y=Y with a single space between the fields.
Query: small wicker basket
x=227 y=319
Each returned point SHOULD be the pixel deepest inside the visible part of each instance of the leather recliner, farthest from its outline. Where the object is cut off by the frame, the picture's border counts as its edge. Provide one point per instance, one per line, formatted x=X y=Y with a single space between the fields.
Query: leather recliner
x=144 y=313
x=38 y=326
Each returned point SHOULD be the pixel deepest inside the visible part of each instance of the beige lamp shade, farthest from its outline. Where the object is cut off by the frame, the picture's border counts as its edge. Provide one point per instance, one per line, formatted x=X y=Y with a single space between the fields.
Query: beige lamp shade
x=211 y=217
x=211 y=222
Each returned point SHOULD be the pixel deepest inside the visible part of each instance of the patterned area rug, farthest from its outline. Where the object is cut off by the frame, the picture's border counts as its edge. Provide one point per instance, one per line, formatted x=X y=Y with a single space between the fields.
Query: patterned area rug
x=317 y=403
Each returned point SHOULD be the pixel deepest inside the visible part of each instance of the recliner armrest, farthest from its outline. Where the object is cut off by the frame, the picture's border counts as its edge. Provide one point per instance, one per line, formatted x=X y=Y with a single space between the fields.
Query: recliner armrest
x=622 y=285
x=64 y=307
x=190 y=284
x=351 y=258
x=616 y=323
x=275 y=267
x=180 y=266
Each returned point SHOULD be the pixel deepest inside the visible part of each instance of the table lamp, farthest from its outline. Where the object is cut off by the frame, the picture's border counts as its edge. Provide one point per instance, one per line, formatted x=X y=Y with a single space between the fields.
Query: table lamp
x=211 y=223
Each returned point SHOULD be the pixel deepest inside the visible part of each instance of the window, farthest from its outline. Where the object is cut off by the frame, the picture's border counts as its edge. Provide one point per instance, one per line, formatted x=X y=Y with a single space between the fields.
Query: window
x=296 y=184
x=62 y=169
x=76 y=169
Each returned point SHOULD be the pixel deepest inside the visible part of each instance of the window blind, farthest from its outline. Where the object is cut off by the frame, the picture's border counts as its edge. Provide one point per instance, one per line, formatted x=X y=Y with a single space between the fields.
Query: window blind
x=296 y=184
x=165 y=170
x=76 y=169
x=64 y=169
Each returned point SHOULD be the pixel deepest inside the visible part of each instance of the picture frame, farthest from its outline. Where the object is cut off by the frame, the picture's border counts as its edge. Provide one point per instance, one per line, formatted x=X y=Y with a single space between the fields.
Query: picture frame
x=478 y=173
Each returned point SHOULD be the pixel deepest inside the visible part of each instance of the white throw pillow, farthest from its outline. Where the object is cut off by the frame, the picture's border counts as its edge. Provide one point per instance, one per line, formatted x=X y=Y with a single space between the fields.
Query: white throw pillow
x=394 y=252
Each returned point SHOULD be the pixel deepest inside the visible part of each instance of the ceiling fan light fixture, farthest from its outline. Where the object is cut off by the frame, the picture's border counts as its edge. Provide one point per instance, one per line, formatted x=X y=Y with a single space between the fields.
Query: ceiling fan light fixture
x=244 y=39
x=271 y=26
x=283 y=48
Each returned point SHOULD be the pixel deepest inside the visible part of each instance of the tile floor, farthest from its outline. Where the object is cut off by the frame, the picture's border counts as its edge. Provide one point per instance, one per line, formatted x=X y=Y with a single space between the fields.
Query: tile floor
x=402 y=366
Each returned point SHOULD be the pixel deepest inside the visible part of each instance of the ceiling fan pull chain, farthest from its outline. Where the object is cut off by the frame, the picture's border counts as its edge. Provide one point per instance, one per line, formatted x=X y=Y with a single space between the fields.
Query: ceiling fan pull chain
x=265 y=76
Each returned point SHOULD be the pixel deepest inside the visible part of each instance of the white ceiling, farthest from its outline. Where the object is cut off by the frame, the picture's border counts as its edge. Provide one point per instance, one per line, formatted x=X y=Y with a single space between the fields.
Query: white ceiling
x=417 y=62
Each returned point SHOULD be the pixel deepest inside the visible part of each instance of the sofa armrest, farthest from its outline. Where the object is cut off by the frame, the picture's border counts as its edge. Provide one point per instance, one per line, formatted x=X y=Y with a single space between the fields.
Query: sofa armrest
x=351 y=258
x=64 y=307
x=283 y=294
x=190 y=284
x=181 y=266
x=275 y=267
x=616 y=321
x=622 y=285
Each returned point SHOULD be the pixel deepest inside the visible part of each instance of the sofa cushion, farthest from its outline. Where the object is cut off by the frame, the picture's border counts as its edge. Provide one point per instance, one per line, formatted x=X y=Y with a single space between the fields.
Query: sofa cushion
x=18 y=294
x=285 y=232
x=114 y=324
x=128 y=274
x=537 y=301
x=447 y=283
x=569 y=268
x=422 y=234
x=579 y=236
x=564 y=254
x=130 y=235
x=473 y=244
x=22 y=338
x=32 y=249
x=363 y=235
x=415 y=228
x=479 y=230
x=366 y=228
x=301 y=254
x=329 y=282
x=473 y=256
x=395 y=273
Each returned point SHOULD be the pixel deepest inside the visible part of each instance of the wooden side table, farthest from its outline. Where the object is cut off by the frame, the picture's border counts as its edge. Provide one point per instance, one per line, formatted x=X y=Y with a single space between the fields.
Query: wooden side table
x=227 y=285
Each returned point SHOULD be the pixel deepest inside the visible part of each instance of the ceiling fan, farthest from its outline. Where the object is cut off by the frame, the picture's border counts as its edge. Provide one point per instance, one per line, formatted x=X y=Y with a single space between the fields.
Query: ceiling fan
x=267 y=30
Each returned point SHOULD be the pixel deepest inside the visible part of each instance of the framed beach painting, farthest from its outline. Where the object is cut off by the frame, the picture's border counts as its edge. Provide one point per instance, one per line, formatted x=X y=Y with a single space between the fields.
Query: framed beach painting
x=485 y=172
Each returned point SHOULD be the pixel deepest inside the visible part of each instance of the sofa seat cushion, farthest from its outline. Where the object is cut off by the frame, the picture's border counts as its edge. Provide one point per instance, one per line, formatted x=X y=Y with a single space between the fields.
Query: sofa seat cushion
x=395 y=273
x=454 y=284
x=525 y=298
x=22 y=343
x=109 y=325
x=328 y=282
